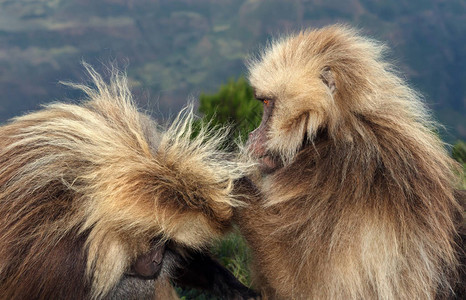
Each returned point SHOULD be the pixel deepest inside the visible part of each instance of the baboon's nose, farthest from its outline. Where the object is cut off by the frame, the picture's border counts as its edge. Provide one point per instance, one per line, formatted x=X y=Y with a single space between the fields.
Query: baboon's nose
x=149 y=264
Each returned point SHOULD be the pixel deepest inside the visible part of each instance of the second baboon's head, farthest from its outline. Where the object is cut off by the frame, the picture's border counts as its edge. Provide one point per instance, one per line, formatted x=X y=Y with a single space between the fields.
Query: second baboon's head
x=317 y=81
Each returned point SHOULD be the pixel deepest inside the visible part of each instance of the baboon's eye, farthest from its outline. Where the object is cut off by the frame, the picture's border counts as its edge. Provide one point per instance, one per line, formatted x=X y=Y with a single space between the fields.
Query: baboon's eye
x=266 y=102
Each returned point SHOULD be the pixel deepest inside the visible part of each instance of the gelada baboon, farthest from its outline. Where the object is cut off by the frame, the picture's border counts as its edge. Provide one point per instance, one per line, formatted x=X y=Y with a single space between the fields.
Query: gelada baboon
x=357 y=189
x=97 y=202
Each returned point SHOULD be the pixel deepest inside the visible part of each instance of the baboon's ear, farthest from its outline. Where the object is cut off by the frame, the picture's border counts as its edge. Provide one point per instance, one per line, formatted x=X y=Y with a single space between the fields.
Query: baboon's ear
x=328 y=78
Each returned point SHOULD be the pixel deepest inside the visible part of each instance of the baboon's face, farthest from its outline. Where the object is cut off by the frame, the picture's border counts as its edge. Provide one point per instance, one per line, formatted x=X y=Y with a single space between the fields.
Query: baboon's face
x=258 y=139
x=297 y=92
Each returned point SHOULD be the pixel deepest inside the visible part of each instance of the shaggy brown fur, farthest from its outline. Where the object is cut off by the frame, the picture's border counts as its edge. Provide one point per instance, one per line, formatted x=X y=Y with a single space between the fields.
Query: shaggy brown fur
x=84 y=190
x=357 y=189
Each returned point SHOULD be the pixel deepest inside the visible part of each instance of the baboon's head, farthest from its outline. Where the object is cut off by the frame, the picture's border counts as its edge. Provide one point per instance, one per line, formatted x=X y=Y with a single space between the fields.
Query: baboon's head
x=103 y=184
x=310 y=83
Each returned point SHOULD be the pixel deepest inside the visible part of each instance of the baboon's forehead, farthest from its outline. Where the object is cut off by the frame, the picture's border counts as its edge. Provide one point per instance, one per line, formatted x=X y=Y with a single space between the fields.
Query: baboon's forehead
x=271 y=83
x=289 y=64
x=309 y=49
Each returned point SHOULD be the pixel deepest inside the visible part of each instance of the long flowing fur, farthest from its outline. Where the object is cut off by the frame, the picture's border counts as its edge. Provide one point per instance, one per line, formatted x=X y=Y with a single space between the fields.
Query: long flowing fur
x=363 y=206
x=103 y=178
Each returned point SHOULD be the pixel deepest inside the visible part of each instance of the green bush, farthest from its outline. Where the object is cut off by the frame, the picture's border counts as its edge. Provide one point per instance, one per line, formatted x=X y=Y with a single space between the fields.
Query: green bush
x=459 y=153
x=233 y=252
x=232 y=105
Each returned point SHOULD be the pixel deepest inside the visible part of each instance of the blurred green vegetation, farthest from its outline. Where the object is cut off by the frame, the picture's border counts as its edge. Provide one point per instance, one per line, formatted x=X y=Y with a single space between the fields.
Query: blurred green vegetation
x=232 y=105
x=459 y=153
x=234 y=254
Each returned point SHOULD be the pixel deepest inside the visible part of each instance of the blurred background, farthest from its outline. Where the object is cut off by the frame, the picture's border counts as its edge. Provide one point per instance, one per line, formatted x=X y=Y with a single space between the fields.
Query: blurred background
x=177 y=49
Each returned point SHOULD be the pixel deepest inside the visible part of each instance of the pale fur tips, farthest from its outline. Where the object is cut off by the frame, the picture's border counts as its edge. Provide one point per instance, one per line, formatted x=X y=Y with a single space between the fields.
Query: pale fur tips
x=107 y=172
